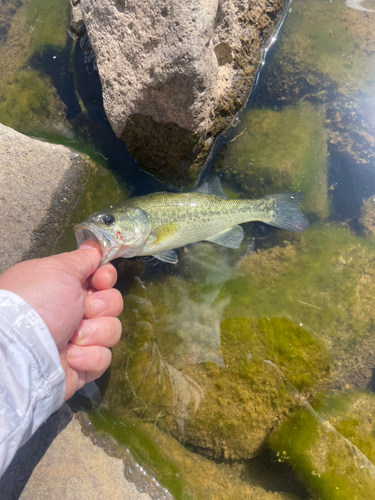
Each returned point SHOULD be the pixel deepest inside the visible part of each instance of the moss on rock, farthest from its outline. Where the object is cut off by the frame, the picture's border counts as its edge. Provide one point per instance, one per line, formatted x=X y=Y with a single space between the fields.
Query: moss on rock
x=331 y=40
x=29 y=103
x=220 y=387
x=28 y=99
x=332 y=456
x=325 y=282
x=186 y=475
x=280 y=150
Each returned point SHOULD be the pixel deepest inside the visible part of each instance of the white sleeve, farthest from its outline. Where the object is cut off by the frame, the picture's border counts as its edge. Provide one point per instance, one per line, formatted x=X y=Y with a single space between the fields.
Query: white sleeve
x=32 y=381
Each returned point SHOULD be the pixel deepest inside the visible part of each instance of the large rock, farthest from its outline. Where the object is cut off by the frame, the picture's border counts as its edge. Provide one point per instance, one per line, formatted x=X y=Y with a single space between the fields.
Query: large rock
x=174 y=73
x=35 y=177
x=44 y=190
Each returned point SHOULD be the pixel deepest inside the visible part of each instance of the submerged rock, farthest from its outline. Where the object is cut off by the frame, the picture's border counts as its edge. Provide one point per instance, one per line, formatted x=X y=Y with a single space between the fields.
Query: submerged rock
x=173 y=75
x=29 y=101
x=367 y=219
x=332 y=455
x=325 y=282
x=277 y=151
x=185 y=474
x=218 y=386
x=326 y=55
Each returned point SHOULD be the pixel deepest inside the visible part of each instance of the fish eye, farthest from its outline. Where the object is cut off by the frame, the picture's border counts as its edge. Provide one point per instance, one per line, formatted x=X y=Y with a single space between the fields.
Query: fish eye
x=108 y=219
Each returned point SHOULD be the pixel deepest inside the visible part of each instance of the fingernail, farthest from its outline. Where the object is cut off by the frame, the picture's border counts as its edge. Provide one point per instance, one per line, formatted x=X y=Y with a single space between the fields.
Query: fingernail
x=111 y=279
x=75 y=352
x=85 y=332
x=97 y=306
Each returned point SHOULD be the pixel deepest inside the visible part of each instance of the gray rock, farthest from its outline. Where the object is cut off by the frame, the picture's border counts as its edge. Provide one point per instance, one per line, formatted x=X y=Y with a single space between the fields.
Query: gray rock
x=174 y=74
x=39 y=183
x=60 y=462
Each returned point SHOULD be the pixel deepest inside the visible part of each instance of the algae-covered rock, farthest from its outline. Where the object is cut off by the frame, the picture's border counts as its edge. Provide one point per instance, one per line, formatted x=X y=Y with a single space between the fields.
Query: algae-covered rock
x=326 y=55
x=332 y=456
x=219 y=386
x=367 y=219
x=280 y=150
x=186 y=475
x=29 y=102
x=28 y=98
x=326 y=282
x=353 y=416
x=326 y=40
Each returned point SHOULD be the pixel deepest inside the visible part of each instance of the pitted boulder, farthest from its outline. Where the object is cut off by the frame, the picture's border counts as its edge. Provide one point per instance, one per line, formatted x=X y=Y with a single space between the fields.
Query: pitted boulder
x=174 y=74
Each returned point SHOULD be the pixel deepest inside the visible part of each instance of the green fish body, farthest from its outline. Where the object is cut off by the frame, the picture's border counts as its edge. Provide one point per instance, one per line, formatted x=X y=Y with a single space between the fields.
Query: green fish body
x=156 y=224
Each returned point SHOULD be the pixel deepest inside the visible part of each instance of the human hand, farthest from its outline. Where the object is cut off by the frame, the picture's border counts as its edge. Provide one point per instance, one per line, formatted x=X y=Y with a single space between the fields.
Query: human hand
x=78 y=304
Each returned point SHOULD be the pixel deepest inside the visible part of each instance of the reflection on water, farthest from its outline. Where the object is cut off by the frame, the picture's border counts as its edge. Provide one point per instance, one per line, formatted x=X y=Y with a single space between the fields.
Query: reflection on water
x=267 y=353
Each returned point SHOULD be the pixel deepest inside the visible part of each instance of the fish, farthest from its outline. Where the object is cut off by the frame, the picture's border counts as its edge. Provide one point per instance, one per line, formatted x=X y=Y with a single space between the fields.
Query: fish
x=158 y=223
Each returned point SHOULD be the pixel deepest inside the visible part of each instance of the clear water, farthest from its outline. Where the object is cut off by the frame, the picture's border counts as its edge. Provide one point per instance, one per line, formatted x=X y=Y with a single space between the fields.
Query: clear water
x=246 y=372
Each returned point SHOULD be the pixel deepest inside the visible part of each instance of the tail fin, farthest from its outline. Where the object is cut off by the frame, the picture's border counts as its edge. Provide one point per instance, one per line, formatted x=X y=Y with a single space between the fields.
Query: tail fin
x=285 y=213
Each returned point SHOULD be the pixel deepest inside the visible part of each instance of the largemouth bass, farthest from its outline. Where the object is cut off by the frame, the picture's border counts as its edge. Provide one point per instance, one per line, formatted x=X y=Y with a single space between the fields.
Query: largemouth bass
x=156 y=224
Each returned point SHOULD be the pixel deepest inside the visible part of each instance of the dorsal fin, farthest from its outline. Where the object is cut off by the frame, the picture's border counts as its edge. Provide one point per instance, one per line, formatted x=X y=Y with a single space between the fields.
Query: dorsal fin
x=212 y=186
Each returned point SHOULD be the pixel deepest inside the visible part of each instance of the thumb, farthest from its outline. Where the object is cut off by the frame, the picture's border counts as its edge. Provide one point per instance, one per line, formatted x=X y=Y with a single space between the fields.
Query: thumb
x=85 y=260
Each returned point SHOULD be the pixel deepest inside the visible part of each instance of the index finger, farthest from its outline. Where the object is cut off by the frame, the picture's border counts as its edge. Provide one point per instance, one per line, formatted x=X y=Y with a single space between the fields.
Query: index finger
x=103 y=278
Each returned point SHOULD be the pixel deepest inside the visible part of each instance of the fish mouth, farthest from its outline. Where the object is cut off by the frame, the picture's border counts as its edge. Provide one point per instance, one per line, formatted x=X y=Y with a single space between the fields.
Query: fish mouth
x=107 y=243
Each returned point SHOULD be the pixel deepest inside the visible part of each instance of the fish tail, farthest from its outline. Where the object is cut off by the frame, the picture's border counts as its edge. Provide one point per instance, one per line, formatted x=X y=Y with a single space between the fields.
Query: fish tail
x=285 y=212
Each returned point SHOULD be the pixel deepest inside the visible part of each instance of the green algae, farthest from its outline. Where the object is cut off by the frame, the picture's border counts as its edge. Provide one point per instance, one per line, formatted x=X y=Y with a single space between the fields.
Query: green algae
x=28 y=99
x=145 y=450
x=184 y=474
x=47 y=23
x=28 y=102
x=280 y=150
x=327 y=457
x=330 y=39
x=325 y=281
x=353 y=415
x=220 y=386
x=302 y=359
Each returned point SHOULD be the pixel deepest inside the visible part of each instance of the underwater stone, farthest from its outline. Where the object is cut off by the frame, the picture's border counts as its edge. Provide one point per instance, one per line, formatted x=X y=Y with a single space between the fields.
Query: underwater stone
x=325 y=281
x=331 y=450
x=185 y=474
x=367 y=219
x=29 y=101
x=277 y=151
x=327 y=56
x=220 y=387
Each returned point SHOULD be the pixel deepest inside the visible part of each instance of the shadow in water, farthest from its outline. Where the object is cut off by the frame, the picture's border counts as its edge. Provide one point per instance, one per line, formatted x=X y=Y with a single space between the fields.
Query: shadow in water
x=282 y=479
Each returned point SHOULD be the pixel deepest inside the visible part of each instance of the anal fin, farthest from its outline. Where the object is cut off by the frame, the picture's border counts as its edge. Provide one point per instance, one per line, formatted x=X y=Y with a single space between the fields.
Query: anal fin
x=169 y=256
x=231 y=238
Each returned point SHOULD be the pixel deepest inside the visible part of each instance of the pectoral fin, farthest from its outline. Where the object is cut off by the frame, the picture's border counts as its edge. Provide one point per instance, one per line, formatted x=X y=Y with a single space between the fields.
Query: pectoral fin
x=231 y=238
x=169 y=256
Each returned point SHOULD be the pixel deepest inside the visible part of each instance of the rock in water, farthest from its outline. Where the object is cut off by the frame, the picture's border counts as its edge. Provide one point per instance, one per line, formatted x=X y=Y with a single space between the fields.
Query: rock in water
x=174 y=74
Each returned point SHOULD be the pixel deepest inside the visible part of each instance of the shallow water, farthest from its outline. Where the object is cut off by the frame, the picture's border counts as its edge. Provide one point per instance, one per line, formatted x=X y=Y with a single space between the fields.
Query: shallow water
x=251 y=371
